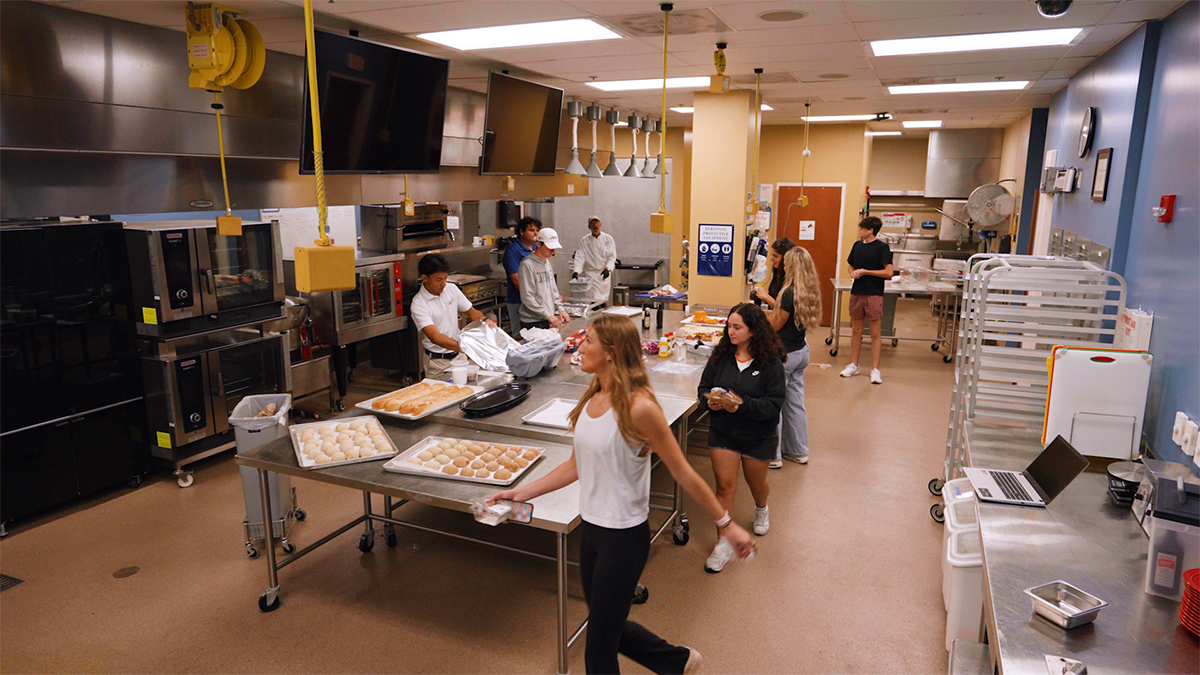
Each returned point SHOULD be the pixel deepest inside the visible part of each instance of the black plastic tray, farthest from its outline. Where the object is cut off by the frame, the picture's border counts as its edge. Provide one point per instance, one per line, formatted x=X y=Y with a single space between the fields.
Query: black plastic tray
x=495 y=400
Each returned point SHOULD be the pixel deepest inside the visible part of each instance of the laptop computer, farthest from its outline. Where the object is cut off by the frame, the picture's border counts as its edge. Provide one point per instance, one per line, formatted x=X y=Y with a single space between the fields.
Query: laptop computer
x=1040 y=482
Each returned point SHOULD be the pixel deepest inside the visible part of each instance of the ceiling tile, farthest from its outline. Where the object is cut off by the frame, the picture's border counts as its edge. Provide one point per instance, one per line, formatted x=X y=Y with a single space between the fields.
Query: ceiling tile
x=758 y=56
x=912 y=71
x=798 y=34
x=602 y=66
x=342 y=7
x=599 y=48
x=1109 y=33
x=1133 y=11
x=468 y=14
x=998 y=56
x=1024 y=19
x=744 y=15
x=890 y=10
x=615 y=7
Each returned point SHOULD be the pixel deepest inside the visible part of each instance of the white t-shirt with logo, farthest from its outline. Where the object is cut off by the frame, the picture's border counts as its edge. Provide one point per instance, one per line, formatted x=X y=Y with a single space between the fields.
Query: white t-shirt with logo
x=440 y=311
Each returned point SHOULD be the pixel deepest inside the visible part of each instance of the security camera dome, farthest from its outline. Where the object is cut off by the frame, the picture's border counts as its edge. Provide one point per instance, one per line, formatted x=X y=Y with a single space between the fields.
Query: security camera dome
x=1052 y=9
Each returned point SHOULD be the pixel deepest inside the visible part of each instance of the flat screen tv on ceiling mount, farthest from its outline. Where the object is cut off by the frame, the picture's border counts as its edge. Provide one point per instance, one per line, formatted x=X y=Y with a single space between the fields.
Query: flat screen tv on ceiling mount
x=521 y=127
x=382 y=107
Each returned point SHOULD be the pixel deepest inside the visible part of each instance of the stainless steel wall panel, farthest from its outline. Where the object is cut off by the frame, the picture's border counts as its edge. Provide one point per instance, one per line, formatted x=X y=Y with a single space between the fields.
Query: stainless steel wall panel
x=463 y=127
x=961 y=160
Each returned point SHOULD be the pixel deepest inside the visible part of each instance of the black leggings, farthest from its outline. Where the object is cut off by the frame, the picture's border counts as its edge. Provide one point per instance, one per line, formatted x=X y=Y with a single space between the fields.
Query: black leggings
x=611 y=562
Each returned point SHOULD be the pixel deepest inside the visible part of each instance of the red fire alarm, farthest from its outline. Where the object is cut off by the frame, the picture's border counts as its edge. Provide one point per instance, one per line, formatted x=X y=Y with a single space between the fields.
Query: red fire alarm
x=1165 y=209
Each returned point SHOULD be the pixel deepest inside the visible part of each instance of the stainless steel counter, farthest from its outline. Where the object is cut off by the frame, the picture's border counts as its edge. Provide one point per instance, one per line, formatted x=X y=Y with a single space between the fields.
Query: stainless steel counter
x=1082 y=538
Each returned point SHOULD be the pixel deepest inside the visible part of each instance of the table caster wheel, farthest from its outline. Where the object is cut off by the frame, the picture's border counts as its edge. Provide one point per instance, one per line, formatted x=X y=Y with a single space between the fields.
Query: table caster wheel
x=640 y=595
x=828 y=340
x=339 y=406
x=934 y=346
x=389 y=536
x=299 y=515
x=350 y=375
x=135 y=481
x=366 y=543
x=683 y=522
x=895 y=343
x=680 y=536
x=935 y=486
x=288 y=547
x=938 y=513
x=833 y=352
x=251 y=551
x=265 y=606
x=186 y=480
x=947 y=358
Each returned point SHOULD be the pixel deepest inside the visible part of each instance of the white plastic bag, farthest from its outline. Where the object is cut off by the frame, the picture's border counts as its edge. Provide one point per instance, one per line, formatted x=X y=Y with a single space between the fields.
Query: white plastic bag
x=245 y=413
x=529 y=359
x=486 y=346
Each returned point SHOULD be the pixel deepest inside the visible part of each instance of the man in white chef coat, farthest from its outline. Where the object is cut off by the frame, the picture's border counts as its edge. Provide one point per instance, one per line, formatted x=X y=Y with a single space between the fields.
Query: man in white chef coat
x=595 y=259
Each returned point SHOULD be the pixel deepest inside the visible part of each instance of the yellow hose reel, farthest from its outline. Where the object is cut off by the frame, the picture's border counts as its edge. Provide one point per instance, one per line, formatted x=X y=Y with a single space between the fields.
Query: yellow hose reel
x=223 y=50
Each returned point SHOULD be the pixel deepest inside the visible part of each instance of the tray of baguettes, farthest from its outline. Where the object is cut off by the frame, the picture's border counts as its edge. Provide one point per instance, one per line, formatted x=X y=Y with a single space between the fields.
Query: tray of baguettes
x=421 y=399
x=469 y=461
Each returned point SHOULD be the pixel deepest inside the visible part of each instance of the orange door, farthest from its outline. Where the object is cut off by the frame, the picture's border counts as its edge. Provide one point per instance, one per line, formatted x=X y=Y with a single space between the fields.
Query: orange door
x=825 y=209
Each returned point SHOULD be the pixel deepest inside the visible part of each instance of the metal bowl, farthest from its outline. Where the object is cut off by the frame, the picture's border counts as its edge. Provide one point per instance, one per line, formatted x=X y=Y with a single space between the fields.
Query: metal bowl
x=1065 y=605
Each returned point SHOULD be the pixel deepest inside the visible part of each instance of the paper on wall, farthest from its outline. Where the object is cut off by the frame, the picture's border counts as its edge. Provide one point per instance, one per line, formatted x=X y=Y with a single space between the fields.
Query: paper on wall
x=298 y=226
x=451 y=222
x=765 y=191
x=808 y=230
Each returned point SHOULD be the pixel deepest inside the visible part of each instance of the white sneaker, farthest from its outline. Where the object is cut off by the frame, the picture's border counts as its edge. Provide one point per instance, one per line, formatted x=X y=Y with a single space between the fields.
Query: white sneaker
x=775 y=464
x=850 y=370
x=876 y=378
x=693 y=662
x=723 y=553
x=762 y=520
x=799 y=459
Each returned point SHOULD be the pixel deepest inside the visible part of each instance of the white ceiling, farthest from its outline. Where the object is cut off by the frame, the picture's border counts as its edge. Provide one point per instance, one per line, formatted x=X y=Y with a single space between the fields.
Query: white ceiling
x=831 y=40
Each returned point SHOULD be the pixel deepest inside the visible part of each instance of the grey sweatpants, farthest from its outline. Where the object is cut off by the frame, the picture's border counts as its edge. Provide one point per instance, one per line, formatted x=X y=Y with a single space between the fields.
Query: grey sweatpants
x=793 y=423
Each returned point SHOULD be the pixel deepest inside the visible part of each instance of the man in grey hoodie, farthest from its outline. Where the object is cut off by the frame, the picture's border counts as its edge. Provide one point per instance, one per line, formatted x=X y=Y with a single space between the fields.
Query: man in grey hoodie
x=541 y=304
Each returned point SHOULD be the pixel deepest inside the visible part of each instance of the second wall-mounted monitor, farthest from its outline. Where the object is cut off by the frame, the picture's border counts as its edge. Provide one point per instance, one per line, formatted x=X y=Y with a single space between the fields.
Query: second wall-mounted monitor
x=521 y=127
x=382 y=107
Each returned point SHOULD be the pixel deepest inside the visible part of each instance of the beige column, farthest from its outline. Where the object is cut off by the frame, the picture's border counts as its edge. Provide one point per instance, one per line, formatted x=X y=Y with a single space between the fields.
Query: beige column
x=721 y=168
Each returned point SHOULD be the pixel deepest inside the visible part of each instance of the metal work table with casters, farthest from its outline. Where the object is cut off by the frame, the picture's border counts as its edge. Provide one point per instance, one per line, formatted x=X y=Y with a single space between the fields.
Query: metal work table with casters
x=1087 y=540
x=949 y=292
x=557 y=512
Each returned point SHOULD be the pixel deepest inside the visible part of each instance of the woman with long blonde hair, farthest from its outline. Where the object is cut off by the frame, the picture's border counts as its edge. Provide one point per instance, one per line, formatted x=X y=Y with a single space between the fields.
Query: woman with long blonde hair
x=797 y=311
x=617 y=424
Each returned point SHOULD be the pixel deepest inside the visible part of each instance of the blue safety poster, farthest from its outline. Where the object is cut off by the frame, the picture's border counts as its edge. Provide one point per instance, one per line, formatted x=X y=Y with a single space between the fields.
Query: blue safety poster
x=715 y=252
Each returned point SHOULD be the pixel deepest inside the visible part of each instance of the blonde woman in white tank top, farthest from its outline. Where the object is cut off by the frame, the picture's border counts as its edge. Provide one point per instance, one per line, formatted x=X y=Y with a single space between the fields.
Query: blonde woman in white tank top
x=617 y=424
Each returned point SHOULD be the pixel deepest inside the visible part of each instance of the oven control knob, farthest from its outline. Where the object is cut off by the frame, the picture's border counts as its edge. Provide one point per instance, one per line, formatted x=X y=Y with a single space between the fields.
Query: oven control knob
x=195 y=418
x=181 y=294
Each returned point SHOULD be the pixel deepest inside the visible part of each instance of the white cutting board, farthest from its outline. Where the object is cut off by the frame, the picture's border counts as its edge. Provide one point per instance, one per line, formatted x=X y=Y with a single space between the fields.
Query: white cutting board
x=1097 y=400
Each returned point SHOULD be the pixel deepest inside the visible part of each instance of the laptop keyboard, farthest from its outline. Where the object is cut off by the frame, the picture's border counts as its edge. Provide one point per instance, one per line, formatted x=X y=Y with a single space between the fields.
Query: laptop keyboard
x=1010 y=487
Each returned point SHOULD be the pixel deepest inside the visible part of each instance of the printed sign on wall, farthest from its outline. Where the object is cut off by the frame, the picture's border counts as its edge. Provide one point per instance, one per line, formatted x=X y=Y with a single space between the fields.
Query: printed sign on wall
x=808 y=230
x=715 y=251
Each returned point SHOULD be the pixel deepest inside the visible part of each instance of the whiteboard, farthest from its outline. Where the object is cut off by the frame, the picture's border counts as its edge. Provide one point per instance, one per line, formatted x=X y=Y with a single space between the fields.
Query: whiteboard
x=298 y=226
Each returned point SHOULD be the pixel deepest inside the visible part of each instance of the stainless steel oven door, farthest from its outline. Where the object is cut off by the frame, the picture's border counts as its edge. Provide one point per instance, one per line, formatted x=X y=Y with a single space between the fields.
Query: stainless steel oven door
x=372 y=301
x=242 y=271
x=257 y=366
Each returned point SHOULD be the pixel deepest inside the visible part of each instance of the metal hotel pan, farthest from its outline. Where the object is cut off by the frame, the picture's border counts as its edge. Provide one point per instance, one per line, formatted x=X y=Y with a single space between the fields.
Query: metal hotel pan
x=1065 y=605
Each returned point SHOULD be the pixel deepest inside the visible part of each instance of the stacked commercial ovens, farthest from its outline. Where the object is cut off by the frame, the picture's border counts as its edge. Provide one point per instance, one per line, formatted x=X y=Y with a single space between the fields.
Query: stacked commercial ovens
x=202 y=307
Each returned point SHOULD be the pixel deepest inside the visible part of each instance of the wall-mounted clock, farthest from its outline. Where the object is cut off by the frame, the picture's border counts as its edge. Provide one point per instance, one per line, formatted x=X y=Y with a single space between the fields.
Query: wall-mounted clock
x=1085 y=131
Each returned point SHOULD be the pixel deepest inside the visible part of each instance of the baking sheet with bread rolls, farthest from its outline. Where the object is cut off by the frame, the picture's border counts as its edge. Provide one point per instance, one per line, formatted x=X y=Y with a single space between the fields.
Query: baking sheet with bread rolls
x=420 y=400
x=512 y=461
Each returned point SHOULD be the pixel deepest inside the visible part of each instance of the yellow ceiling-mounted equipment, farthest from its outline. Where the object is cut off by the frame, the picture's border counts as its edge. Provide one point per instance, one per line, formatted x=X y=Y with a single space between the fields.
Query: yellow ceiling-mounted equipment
x=719 y=83
x=223 y=51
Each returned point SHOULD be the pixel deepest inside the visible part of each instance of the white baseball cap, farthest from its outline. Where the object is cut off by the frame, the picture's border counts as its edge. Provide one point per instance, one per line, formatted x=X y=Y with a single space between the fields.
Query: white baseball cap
x=549 y=238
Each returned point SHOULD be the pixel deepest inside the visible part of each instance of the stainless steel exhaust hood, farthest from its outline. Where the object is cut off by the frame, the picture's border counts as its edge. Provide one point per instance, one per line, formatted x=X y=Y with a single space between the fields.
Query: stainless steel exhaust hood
x=961 y=160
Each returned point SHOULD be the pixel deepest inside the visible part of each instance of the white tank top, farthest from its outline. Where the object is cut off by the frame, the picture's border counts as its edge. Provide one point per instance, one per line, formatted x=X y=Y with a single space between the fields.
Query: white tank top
x=614 y=483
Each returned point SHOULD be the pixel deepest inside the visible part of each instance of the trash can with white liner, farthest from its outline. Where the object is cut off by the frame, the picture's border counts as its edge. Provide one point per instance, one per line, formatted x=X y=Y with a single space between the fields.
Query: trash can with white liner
x=251 y=431
x=961 y=516
x=964 y=593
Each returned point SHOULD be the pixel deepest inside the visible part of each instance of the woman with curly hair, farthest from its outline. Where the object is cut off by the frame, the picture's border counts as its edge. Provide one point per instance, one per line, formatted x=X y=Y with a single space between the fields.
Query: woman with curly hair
x=798 y=310
x=748 y=362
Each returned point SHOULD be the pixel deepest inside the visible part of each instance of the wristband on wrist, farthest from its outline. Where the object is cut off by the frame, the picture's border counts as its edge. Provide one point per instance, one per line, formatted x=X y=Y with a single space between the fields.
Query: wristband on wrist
x=724 y=521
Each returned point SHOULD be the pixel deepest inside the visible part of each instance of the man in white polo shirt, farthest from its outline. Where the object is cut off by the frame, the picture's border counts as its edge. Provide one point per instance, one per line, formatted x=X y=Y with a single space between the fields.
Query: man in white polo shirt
x=435 y=310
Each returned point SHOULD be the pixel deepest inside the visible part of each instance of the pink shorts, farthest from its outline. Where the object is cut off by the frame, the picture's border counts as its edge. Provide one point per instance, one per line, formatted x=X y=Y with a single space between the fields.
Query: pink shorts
x=869 y=307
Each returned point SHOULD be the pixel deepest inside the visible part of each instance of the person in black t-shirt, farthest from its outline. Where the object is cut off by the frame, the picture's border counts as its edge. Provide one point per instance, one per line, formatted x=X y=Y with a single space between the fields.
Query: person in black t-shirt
x=798 y=310
x=870 y=263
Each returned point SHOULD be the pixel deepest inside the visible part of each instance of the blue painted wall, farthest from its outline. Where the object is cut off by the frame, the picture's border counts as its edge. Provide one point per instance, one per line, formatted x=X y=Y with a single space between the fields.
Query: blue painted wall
x=1110 y=84
x=1163 y=263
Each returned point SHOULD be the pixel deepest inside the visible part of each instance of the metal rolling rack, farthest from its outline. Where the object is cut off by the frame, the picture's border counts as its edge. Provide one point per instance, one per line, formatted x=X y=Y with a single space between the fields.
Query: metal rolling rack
x=1015 y=310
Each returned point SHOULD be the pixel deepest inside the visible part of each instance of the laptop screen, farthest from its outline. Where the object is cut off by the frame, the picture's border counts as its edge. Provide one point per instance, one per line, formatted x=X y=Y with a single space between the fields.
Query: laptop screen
x=1056 y=467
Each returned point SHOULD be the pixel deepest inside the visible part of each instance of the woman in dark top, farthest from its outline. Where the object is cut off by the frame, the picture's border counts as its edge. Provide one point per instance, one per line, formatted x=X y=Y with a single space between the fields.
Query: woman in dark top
x=748 y=362
x=798 y=309
x=775 y=285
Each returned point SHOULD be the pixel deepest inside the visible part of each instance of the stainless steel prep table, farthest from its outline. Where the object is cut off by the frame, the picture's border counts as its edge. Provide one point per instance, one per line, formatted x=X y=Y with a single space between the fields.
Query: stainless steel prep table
x=557 y=512
x=947 y=331
x=1085 y=539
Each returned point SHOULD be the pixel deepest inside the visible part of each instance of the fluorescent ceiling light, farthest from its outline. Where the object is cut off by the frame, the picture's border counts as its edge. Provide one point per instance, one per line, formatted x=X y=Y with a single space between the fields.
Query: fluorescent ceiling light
x=975 y=43
x=922 y=124
x=848 y=118
x=957 y=87
x=687 y=109
x=672 y=83
x=883 y=133
x=522 y=35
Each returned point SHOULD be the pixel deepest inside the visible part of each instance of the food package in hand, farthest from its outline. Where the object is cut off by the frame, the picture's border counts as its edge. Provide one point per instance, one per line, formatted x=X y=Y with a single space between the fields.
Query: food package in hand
x=717 y=395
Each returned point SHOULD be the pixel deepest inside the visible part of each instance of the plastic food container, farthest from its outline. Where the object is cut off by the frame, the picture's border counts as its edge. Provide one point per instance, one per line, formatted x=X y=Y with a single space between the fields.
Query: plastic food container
x=957 y=490
x=964 y=587
x=1064 y=605
x=961 y=516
